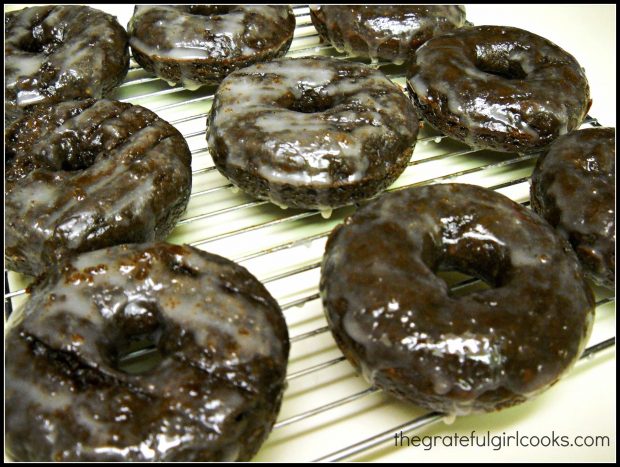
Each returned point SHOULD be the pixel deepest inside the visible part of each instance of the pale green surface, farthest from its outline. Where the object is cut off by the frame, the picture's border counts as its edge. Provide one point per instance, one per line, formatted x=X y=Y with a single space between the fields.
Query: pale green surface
x=582 y=404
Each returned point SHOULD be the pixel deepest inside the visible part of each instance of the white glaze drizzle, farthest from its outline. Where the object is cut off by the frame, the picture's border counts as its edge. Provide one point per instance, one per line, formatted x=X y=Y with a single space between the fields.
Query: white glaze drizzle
x=437 y=213
x=195 y=37
x=202 y=309
x=543 y=92
x=86 y=200
x=88 y=44
x=400 y=25
x=313 y=141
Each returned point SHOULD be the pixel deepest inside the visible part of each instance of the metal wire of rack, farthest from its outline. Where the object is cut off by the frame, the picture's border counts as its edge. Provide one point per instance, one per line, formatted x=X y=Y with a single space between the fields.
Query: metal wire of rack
x=260 y=235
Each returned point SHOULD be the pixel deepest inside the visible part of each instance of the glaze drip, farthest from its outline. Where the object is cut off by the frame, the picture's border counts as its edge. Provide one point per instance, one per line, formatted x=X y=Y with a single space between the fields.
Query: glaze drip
x=387 y=32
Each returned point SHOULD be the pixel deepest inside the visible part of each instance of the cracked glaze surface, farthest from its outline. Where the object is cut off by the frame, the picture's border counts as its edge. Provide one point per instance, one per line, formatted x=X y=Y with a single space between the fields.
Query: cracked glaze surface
x=397 y=322
x=63 y=52
x=573 y=187
x=201 y=44
x=388 y=32
x=498 y=87
x=88 y=174
x=311 y=132
x=214 y=395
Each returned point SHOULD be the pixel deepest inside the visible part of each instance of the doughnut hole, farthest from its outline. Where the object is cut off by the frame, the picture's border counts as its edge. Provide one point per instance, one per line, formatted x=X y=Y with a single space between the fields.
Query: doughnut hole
x=73 y=155
x=455 y=263
x=44 y=40
x=494 y=59
x=70 y=154
x=65 y=151
x=210 y=10
x=179 y=267
x=309 y=102
x=460 y=283
x=33 y=46
x=136 y=333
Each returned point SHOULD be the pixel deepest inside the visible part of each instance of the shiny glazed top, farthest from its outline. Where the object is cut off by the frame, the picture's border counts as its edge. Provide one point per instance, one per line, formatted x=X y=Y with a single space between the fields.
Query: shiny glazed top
x=213 y=395
x=499 y=87
x=388 y=32
x=62 y=52
x=398 y=323
x=313 y=122
x=83 y=175
x=218 y=35
x=573 y=187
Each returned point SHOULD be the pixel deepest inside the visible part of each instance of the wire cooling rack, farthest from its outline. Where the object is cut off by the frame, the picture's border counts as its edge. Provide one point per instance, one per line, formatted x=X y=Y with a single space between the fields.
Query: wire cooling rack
x=283 y=248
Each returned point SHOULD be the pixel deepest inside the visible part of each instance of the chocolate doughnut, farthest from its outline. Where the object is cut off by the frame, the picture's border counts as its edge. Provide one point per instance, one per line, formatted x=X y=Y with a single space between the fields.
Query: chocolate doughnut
x=573 y=187
x=499 y=88
x=395 y=319
x=201 y=44
x=388 y=32
x=63 y=52
x=312 y=132
x=84 y=175
x=211 y=394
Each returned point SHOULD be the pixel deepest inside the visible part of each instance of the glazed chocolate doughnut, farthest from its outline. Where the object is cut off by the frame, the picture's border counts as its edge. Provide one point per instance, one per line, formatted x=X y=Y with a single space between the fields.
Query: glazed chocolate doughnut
x=573 y=187
x=63 y=52
x=313 y=132
x=498 y=87
x=84 y=175
x=201 y=44
x=388 y=32
x=212 y=393
x=398 y=323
